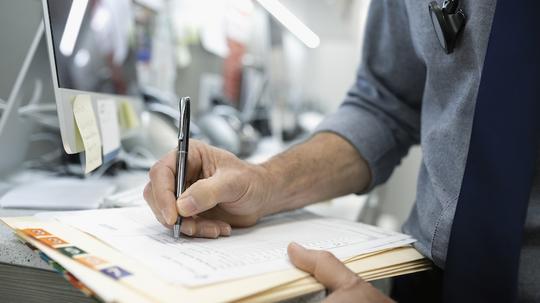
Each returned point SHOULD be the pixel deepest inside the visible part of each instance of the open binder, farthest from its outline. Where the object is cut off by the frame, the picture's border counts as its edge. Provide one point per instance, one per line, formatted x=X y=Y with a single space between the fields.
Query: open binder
x=108 y=274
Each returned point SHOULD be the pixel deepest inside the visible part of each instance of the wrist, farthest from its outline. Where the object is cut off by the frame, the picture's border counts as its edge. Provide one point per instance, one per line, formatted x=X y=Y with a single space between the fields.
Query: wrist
x=269 y=190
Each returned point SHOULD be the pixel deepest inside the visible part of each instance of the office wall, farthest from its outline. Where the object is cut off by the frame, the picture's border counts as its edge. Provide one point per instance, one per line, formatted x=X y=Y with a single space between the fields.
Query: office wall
x=330 y=69
x=397 y=196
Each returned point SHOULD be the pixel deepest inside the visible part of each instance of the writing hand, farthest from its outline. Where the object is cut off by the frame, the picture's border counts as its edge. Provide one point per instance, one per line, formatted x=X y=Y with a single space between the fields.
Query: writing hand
x=222 y=190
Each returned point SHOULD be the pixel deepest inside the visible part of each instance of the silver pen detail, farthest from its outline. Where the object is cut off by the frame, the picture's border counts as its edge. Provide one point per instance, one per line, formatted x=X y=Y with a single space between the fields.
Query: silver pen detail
x=181 y=156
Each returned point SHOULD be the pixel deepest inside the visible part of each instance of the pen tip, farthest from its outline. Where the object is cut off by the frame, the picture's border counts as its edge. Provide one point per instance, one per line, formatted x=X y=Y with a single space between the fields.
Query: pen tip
x=176 y=231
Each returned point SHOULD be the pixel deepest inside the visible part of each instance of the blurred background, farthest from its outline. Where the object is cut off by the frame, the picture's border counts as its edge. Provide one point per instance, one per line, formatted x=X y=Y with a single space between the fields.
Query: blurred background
x=261 y=75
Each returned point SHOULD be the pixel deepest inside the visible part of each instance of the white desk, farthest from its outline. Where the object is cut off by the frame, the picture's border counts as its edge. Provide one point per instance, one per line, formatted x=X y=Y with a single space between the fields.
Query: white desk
x=13 y=251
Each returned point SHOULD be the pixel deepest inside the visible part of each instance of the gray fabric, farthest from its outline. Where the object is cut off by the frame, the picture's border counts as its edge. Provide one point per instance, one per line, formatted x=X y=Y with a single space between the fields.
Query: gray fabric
x=407 y=91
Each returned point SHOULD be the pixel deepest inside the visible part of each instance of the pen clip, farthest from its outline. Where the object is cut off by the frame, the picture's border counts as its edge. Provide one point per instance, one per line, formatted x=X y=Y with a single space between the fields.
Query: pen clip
x=183 y=125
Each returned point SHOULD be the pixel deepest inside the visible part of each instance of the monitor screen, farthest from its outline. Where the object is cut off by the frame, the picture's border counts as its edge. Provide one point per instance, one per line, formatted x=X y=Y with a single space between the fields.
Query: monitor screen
x=94 y=45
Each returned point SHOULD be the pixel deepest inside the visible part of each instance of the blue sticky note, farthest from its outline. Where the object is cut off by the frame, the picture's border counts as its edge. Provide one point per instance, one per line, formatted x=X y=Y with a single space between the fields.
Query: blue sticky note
x=116 y=272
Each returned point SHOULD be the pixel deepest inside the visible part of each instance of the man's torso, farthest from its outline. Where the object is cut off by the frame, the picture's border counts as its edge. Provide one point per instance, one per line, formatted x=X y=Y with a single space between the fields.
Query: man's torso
x=449 y=98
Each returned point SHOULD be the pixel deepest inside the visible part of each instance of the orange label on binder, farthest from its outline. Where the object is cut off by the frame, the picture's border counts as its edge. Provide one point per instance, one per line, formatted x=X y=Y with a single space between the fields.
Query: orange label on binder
x=36 y=232
x=52 y=241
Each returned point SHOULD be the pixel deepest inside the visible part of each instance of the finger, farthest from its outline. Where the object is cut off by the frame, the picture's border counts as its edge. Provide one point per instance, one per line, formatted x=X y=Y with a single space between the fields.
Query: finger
x=207 y=193
x=225 y=228
x=169 y=160
x=203 y=228
x=242 y=220
x=149 y=197
x=197 y=148
x=163 y=179
x=195 y=162
x=163 y=191
x=326 y=268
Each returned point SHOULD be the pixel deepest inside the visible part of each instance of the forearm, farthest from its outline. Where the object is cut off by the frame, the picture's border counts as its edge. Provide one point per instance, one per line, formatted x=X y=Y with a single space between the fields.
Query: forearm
x=324 y=167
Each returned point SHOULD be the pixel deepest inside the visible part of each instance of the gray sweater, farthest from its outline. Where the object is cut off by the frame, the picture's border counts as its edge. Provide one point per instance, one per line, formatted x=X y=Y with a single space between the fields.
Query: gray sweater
x=409 y=91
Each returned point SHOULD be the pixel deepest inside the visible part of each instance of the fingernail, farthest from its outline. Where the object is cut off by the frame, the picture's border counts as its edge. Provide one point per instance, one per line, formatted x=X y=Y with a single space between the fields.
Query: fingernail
x=228 y=231
x=187 y=206
x=297 y=246
x=188 y=230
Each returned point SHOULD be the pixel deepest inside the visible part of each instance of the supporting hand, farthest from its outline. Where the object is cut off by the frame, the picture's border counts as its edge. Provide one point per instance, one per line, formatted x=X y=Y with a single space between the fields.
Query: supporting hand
x=345 y=286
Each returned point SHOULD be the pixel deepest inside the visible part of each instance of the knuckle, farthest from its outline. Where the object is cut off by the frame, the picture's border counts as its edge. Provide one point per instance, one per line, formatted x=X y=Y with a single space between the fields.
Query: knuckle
x=154 y=170
x=147 y=192
x=220 y=152
x=210 y=233
x=231 y=187
x=195 y=143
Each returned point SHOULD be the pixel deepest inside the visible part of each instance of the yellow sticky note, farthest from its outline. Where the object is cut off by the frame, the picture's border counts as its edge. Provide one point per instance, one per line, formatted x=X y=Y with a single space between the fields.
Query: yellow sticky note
x=127 y=116
x=88 y=129
x=108 y=123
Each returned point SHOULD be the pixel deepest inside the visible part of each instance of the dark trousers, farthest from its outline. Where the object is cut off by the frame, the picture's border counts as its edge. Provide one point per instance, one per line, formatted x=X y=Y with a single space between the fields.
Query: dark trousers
x=424 y=286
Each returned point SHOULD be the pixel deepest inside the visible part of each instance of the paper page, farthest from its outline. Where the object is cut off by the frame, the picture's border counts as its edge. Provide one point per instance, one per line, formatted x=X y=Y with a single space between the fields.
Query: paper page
x=249 y=251
x=149 y=285
x=108 y=122
x=88 y=128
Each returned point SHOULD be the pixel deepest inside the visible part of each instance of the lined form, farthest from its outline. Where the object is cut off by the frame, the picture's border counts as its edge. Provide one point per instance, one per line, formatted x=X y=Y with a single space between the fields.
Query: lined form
x=248 y=251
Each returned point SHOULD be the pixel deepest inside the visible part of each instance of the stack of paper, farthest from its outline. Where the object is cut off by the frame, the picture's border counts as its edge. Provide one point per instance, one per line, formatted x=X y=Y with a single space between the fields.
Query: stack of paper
x=123 y=255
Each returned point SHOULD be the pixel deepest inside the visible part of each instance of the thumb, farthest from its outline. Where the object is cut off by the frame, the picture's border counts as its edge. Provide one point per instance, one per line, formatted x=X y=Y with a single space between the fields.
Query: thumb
x=207 y=193
x=326 y=268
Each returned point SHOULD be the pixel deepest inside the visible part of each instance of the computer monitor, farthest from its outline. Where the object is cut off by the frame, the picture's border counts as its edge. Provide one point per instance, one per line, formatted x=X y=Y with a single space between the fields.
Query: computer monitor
x=24 y=78
x=92 y=51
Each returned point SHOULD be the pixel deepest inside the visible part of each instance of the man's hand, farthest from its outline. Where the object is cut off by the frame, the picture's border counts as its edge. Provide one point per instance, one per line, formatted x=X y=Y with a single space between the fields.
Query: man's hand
x=345 y=286
x=222 y=191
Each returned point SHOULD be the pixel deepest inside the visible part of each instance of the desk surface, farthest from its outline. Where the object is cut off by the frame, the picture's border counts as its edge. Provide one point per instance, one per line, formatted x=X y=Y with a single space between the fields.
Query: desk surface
x=13 y=251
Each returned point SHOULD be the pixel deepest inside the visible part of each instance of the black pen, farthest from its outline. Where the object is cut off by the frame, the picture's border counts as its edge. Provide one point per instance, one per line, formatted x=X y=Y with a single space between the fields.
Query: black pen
x=181 y=157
